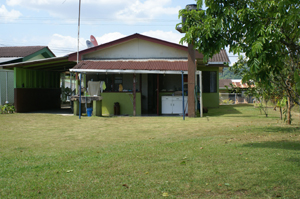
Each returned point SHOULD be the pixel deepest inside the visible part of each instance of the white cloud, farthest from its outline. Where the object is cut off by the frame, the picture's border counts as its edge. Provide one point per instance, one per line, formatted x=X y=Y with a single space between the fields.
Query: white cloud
x=8 y=16
x=150 y=9
x=58 y=2
x=129 y=11
x=62 y=45
x=167 y=36
x=109 y=37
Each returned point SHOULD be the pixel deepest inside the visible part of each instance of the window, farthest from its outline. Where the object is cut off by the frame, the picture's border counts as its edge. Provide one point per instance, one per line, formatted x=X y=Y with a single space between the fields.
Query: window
x=209 y=81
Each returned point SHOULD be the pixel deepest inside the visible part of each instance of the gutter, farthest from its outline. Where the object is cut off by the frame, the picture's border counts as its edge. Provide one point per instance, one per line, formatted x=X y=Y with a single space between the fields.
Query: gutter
x=127 y=71
x=35 y=61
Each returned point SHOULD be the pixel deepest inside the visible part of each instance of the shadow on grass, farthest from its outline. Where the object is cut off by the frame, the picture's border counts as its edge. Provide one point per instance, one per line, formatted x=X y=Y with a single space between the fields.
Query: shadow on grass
x=294 y=160
x=225 y=110
x=284 y=144
x=278 y=129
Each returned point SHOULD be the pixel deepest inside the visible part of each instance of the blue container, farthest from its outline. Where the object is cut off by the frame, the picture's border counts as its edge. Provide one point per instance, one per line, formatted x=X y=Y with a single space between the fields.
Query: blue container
x=89 y=112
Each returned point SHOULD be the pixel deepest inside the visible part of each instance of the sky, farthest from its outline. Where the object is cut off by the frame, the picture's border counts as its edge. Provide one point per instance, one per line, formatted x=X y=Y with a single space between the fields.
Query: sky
x=54 y=23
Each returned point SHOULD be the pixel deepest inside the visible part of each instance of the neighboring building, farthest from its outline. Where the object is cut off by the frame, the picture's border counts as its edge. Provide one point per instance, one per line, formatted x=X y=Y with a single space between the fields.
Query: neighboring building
x=12 y=55
x=228 y=96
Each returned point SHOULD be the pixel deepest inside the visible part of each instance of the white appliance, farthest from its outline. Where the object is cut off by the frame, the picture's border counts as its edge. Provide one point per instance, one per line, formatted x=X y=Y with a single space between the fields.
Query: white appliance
x=173 y=104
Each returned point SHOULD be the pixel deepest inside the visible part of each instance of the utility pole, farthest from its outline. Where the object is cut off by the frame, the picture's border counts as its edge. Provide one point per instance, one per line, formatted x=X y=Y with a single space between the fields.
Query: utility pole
x=78 y=31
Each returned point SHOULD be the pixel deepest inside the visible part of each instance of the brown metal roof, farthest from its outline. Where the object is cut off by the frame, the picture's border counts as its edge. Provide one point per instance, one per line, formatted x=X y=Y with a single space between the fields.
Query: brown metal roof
x=163 y=65
x=220 y=57
x=19 y=51
x=224 y=82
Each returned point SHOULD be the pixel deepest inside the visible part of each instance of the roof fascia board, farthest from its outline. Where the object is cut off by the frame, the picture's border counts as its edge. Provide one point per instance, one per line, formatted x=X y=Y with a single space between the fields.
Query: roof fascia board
x=127 y=71
x=40 y=52
x=17 y=60
x=36 y=62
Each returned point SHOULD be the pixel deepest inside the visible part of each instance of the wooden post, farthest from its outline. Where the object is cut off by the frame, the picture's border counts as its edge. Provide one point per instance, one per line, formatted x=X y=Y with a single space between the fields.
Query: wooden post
x=134 y=95
x=140 y=82
x=157 y=98
x=191 y=80
x=76 y=84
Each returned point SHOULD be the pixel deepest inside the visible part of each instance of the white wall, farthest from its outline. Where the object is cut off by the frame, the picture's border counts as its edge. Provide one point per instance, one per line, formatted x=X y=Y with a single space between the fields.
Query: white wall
x=137 y=49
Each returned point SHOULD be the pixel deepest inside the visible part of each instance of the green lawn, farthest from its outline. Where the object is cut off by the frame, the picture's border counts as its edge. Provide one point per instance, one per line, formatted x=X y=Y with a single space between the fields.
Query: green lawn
x=233 y=152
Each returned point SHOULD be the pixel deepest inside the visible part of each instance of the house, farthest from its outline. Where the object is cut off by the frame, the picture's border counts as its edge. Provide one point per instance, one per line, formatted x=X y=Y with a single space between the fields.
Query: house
x=234 y=90
x=147 y=69
x=17 y=54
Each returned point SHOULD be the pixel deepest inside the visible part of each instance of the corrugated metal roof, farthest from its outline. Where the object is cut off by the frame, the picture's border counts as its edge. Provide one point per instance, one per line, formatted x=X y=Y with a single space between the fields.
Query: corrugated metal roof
x=235 y=83
x=224 y=82
x=19 y=51
x=220 y=57
x=164 y=65
x=6 y=59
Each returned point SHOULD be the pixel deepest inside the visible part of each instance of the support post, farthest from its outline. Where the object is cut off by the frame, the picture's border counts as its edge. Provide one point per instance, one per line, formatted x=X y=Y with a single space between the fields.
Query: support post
x=71 y=85
x=0 y=94
x=6 y=102
x=191 y=80
x=235 y=98
x=80 y=76
x=134 y=95
x=76 y=84
x=157 y=95
x=63 y=85
x=201 y=100
x=182 y=88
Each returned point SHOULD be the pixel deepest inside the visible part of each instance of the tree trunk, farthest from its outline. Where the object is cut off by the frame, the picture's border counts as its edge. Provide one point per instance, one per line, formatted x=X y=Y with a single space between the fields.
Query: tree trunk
x=280 y=113
x=289 y=115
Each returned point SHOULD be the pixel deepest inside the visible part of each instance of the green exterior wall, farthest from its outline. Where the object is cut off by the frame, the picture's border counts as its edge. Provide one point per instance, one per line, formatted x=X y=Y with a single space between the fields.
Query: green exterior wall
x=108 y=102
x=36 y=58
x=211 y=100
x=126 y=106
x=35 y=78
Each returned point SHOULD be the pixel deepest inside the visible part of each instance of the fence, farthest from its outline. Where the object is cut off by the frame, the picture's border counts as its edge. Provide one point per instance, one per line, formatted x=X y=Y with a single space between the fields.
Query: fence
x=6 y=87
x=234 y=98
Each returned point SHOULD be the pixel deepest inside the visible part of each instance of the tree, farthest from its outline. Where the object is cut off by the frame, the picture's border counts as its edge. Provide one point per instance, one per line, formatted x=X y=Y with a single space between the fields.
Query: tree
x=274 y=91
x=228 y=74
x=267 y=31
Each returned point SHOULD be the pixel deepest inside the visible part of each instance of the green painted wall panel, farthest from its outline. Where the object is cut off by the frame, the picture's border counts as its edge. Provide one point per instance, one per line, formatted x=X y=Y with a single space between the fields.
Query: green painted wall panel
x=36 y=58
x=211 y=100
x=36 y=79
x=125 y=100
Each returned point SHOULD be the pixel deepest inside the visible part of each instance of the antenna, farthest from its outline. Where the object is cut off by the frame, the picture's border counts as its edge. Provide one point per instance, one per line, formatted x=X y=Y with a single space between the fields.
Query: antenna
x=93 y=40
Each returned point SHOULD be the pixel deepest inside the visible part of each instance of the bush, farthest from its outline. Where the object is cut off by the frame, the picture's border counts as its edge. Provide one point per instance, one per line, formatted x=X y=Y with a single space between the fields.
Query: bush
x=7 y=109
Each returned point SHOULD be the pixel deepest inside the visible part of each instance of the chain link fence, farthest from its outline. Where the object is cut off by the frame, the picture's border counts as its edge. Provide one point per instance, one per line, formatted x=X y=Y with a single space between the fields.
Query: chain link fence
x=6 y=87
x=234 y=98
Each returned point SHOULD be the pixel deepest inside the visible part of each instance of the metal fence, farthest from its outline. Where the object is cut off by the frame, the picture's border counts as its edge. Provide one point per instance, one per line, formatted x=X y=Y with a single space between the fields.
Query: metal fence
x=234 y=98
x=6 y=87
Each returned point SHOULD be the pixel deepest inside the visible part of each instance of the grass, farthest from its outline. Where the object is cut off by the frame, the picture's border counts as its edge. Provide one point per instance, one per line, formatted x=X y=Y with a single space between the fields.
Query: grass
x=233 y=152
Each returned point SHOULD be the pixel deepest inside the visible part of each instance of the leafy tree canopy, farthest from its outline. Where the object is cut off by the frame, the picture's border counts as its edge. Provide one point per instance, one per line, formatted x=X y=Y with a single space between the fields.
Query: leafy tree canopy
x=267 y=31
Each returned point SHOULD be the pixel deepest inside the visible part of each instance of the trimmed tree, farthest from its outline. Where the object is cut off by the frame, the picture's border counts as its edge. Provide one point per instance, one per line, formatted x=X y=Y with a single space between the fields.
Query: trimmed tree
x=266 y=31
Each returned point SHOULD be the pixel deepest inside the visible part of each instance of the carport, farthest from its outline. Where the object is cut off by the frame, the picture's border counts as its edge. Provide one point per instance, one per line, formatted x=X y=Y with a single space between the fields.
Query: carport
x=37 y=83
